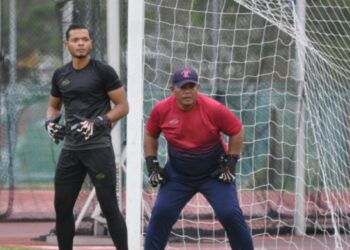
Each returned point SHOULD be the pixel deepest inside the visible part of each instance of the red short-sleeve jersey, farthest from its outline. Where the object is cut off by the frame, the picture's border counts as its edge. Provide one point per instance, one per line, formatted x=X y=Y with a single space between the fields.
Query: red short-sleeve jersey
x=194 y=136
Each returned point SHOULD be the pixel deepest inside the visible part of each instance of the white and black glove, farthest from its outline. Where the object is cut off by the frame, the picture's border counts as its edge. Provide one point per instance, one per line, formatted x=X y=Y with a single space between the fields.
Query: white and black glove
x=156 y=174
x=84 y=129
x=226 y=172
x=56 y=131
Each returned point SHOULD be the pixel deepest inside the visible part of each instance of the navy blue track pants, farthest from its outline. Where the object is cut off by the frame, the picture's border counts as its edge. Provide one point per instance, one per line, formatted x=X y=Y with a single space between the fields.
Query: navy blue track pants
x=179 y=190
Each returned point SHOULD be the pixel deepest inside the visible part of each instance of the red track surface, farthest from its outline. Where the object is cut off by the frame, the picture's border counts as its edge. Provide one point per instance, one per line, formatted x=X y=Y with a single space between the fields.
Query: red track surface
x=15 y=234
x=26 y=234
x=20 y=234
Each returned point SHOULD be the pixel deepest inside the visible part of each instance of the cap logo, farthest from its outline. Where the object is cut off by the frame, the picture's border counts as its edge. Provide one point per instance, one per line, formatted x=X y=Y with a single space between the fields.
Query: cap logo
x=186 y=73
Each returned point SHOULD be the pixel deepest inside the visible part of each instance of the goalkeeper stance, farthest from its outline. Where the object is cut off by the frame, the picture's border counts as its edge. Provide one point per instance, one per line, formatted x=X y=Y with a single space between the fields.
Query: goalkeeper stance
x=199 y=161
x=85 y=87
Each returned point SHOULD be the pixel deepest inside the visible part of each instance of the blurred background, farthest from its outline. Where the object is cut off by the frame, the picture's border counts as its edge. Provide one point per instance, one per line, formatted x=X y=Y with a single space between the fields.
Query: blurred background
x=31 y=48
x=281 y=66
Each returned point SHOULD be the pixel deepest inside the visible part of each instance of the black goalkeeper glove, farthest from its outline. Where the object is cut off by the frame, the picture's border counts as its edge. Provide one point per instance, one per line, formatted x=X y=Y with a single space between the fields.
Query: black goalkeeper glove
x=85 y=127
x=56 y=131
x=156 y=174
x=226 y=172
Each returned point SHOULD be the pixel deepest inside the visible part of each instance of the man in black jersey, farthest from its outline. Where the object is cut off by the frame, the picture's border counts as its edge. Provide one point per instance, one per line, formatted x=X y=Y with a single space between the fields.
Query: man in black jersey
x=85 y=87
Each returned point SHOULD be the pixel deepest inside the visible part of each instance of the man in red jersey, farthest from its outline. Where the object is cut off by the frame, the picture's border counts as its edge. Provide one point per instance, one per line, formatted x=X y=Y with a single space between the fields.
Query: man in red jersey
x=199 y=160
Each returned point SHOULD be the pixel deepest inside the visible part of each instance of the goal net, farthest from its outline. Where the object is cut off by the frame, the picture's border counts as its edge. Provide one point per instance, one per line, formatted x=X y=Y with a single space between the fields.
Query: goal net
x=282 y=66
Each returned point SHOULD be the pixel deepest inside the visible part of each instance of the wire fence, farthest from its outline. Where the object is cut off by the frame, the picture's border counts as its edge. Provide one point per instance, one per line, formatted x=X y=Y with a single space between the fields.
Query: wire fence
x=32 y=46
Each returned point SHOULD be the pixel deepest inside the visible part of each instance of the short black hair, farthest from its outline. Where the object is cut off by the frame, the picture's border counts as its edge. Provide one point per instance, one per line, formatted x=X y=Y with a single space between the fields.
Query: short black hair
x=75 y=26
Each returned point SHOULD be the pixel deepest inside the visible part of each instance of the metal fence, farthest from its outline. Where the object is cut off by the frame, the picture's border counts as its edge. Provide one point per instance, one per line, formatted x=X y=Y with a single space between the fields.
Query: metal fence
x=32 y=47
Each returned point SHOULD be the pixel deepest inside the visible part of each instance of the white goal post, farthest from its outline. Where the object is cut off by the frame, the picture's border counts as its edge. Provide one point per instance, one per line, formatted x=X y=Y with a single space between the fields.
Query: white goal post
x=282 y=66
x=134 y=123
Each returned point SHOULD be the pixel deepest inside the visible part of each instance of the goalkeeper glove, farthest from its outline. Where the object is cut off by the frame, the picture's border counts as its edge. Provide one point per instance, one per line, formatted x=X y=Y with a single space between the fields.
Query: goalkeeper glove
x=226 y=172
x=56 y=131
x=85 y=127
x=156 y=174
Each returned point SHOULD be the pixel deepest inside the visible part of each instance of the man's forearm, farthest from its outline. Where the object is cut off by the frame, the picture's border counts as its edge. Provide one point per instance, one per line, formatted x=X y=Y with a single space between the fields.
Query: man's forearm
x=150 y=145
x=117 y=112
x=235 y=143
x=52 y=112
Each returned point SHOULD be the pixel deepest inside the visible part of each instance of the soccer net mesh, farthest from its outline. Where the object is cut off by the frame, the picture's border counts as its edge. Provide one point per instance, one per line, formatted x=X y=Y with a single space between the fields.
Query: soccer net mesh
x=282 y=67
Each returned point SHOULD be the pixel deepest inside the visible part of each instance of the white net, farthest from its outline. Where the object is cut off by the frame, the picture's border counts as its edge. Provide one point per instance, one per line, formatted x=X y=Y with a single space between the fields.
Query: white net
x=286 y=78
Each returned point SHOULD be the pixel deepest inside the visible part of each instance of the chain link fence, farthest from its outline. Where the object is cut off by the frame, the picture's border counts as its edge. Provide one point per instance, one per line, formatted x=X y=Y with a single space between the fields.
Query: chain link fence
x=32 y=47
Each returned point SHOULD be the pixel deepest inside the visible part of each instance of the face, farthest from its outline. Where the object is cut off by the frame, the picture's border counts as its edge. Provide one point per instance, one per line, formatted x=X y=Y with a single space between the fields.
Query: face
x=186 y=96
x=79 y=43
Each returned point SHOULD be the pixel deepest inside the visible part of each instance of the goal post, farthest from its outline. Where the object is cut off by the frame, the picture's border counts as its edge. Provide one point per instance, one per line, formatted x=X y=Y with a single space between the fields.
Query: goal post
x=134 y=122
x=299 y=215
x=282 y=68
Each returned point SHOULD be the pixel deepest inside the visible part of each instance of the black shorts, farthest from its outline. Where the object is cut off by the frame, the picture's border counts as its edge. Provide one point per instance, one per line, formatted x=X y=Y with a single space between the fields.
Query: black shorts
x=98 y=163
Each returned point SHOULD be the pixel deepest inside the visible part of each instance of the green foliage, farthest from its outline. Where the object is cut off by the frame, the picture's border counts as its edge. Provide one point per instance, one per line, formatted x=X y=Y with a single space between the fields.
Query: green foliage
x=38 y=27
